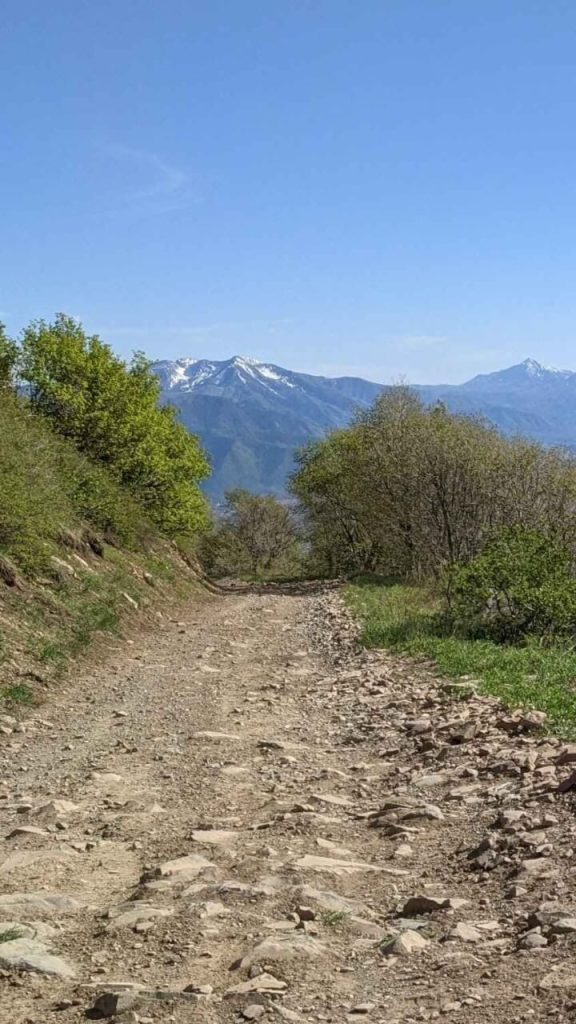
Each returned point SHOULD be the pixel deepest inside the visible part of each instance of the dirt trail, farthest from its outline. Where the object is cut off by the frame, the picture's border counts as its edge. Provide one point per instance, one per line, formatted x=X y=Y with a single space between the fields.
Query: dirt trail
x=247 y=788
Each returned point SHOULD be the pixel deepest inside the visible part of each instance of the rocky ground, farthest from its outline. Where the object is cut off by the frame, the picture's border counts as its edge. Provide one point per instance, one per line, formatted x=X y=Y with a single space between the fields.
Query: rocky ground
x=245 y=817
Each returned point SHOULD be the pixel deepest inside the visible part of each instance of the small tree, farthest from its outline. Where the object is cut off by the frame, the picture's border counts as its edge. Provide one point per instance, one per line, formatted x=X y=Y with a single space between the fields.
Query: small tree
x=258 y=535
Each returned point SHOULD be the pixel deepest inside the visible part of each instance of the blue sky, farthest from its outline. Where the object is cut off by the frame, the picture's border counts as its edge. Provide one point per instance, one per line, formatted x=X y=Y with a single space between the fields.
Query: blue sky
x=379 y=187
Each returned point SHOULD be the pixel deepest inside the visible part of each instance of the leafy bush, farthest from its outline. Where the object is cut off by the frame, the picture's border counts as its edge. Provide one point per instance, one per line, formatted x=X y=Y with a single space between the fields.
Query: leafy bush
x=407 y=490
x=100 y=501
x=111 y=413
x=258 y=536
x=47 y=488
x=522 y=584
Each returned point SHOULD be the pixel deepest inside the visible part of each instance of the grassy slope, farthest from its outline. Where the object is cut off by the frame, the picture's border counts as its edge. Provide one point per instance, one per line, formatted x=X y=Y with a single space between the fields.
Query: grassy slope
x=402 y=619
x=46 y=624
x=77 y=557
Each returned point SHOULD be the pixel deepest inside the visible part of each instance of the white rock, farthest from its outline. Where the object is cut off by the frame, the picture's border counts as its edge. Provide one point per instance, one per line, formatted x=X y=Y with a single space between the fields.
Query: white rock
x=405 y=944
x=282 y=947
x=31 y=955
x=342 y=867
x=214 y=837
x=190 y=865
x=262 y=983
x=217 y=737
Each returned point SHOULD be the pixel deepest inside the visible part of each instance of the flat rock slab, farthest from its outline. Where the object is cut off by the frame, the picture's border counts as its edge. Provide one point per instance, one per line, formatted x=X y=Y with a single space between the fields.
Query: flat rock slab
x=331 y=866
x=26 y=830
x=331 y=799
x=38 y=902
x=562 y=980
x=216 y=737
x=21 y=859
x=56 y=808
x=330 y=901
x=107 y=778
x=190 y=865
x=337 y=851
x=31 y=955
x=214 y=837
x=137 y=913
x=282 y=947
x=263 y=983
x=263 y=888
x=213 y=908
x=29 y=930
x=465 y=932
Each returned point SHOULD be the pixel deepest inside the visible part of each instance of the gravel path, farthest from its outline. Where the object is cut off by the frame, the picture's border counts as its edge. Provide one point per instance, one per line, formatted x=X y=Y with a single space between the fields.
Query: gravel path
x=241 y=816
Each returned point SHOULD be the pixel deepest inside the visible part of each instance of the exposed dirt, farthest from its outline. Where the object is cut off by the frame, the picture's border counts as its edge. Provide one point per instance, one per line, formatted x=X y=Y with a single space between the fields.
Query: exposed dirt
x=314 y=789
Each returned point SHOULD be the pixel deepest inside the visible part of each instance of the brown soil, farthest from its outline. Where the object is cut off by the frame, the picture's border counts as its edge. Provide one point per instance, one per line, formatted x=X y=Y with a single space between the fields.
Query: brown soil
x=316 y=736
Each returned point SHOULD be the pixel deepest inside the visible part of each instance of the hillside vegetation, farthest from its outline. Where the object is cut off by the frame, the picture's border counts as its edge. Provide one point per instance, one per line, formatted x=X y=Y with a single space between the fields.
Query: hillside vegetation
x=468 y=539
x=100 y=506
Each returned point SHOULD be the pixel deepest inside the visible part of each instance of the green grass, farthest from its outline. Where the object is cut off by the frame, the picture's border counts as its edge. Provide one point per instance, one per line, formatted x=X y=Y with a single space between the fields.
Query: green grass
x=332 y=918
x=406 y=619
x=10 y=934
x=17 y=694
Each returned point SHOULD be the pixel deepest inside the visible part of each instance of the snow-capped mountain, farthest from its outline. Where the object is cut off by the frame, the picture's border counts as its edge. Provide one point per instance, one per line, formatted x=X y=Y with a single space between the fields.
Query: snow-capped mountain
x=187 y=374
x=251 y=416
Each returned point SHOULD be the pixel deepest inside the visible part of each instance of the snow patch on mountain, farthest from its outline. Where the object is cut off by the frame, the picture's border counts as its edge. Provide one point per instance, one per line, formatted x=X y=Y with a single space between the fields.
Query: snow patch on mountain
x=536 y=369
x=189 y=374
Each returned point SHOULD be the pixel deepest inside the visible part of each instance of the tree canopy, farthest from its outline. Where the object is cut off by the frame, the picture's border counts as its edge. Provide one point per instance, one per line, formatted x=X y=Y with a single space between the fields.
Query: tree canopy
x=408 y=490
x=258 y=535
x=110 y=411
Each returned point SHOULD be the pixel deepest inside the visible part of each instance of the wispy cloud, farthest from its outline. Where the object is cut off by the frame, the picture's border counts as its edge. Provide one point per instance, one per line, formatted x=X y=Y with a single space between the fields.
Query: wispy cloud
x=163 y=186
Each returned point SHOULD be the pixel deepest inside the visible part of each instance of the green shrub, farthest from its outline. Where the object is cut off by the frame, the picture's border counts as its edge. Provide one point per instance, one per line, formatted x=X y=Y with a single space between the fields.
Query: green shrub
x=100 y=501
x=522 y=585
x=257 y=537
x=110 y=411
x=48 y=488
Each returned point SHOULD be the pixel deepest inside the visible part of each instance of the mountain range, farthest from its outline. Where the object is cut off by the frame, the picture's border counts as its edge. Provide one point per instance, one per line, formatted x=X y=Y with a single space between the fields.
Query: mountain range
x=251 y=416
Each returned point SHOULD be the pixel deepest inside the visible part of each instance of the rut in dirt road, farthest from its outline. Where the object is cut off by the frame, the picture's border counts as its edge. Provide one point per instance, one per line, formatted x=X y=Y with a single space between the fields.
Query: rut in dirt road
x=245 y=817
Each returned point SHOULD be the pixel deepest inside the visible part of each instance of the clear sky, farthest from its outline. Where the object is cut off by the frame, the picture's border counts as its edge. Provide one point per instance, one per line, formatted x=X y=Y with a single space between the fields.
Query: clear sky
x=378 y=187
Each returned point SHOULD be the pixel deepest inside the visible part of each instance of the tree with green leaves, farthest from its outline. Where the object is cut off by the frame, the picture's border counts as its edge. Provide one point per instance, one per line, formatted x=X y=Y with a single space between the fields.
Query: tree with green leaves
x=258 y=536
x=111 y=412
x=8 y=358
x=408 y=490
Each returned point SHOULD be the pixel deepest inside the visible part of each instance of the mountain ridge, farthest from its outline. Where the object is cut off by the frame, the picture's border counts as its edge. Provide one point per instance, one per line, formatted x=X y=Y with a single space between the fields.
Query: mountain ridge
x=251 y=415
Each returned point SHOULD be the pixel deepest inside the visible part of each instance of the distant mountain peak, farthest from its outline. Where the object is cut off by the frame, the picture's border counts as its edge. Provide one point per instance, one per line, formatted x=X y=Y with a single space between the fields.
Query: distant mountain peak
x=244 y=361
x=253 y=415
x=530 y=373
x=226 y=375
x=535 y=369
